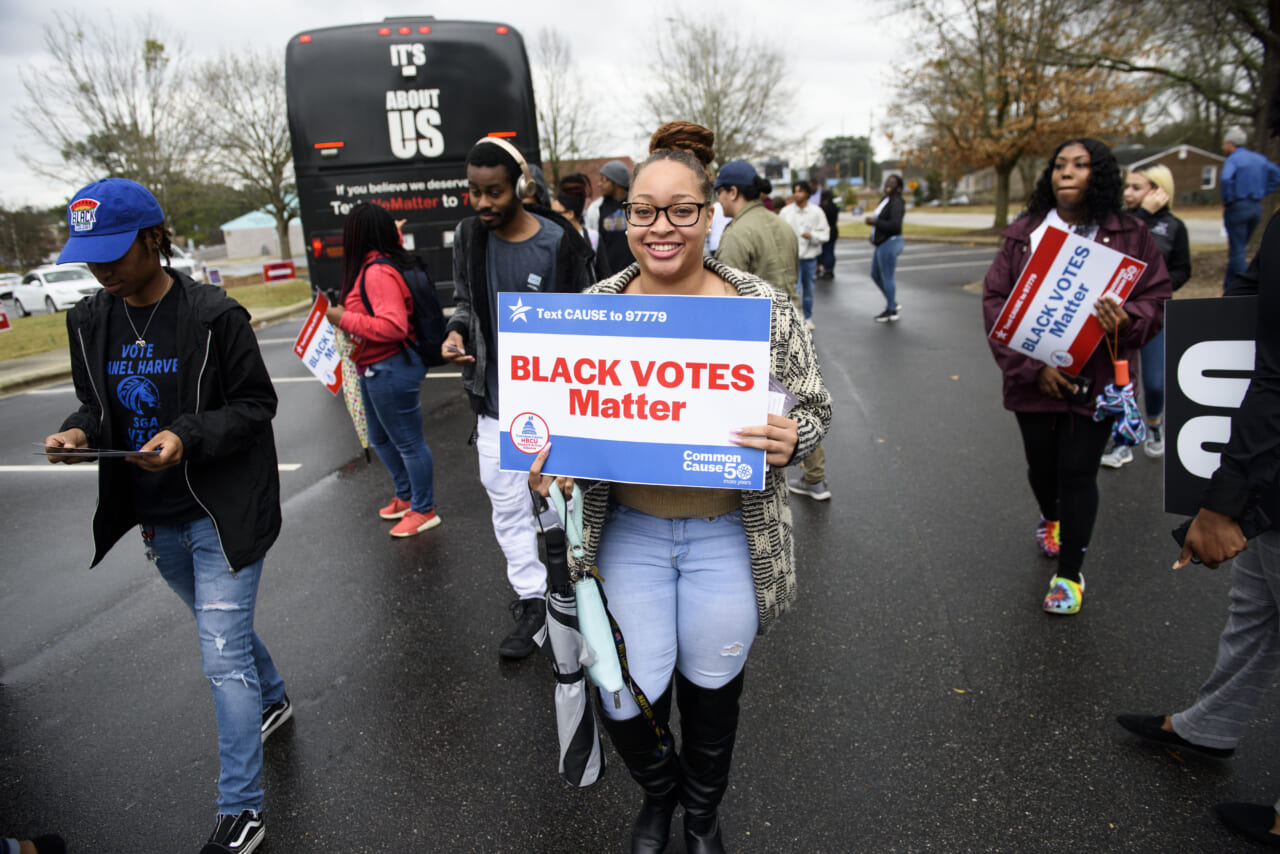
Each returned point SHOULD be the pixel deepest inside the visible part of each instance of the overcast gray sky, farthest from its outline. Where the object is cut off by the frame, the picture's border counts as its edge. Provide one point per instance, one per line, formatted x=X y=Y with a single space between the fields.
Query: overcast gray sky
x=839 y=53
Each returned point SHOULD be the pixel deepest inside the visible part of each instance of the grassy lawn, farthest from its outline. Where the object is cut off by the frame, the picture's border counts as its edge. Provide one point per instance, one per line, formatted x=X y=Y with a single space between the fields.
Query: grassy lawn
x=42 y=332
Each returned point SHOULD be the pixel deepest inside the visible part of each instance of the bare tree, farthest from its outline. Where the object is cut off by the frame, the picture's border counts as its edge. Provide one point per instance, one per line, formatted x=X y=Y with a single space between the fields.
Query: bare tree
x=246 y=130
x=985 y=93
x=1223 y=55
x=114 y=107
x=733 y=83
x=564 y=105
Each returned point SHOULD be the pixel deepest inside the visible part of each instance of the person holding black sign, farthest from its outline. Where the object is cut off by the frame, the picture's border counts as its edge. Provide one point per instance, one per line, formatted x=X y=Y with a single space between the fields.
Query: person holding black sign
x=693 y=575
x=1244 y=493
x=1079 y=190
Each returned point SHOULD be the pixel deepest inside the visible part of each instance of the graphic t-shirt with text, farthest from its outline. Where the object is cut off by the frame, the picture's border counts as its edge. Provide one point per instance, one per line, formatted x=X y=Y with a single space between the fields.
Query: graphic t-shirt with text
x=143 y=399
x=529 y=265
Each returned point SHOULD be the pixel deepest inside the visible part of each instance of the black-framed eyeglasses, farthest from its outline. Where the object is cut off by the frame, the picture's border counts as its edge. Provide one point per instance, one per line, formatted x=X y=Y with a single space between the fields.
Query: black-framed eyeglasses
x=678 y=214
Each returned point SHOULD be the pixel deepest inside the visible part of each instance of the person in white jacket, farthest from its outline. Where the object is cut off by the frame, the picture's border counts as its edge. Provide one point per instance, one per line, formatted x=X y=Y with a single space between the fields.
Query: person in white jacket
x=810 y=225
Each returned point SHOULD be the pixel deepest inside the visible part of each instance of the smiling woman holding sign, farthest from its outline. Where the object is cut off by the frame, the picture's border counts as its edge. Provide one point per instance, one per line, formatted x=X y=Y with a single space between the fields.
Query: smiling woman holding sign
x=693 y=574
x=1078 y=192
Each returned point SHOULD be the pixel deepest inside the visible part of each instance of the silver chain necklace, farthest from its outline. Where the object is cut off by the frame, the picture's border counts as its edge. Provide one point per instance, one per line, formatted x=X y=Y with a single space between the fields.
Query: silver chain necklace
x=142 y=336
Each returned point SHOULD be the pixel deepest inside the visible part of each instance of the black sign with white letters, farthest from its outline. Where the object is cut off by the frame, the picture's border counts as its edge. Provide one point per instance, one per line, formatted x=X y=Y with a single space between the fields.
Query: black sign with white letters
x=1208 y=364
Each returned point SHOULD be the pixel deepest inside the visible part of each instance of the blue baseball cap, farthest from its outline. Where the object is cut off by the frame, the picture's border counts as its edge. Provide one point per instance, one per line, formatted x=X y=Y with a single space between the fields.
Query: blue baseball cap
x=104 y=218
x=736 y=173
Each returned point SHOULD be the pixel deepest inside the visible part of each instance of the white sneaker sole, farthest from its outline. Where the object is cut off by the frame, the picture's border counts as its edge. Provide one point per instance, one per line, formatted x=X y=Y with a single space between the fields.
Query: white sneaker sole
x=816 y=496
x=426 y=526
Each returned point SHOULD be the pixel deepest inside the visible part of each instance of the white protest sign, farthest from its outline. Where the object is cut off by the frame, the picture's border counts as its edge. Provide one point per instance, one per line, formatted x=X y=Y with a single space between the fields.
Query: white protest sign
x=315 y=346
x=1049 y=314
x=636 y=389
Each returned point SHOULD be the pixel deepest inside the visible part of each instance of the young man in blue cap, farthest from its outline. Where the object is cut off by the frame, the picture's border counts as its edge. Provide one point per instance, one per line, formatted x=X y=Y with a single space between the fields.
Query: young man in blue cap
x=171 y=369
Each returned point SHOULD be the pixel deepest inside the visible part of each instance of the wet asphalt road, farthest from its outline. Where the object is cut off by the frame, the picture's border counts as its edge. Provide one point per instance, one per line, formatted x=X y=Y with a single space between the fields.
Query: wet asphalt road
x=915 y=699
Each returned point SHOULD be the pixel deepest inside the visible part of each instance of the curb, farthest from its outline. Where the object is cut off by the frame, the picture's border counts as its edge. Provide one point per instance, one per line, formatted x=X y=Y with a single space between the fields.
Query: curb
x=20 y=379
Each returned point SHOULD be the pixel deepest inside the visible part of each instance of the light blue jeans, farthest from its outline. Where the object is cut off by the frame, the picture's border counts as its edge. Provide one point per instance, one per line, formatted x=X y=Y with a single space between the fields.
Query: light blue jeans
x=884 y=262
x=681 y=592
x=240 y=671
x=808 y=279
x=391 y=401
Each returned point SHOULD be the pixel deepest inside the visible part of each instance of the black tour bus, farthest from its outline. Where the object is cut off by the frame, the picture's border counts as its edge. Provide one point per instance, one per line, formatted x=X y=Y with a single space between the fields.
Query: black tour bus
x=386 y=113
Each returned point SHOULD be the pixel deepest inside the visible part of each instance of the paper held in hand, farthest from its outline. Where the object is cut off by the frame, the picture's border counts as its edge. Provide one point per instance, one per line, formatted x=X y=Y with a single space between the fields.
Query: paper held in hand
x=316 y=348
x=636 y=389
x=1049 y=316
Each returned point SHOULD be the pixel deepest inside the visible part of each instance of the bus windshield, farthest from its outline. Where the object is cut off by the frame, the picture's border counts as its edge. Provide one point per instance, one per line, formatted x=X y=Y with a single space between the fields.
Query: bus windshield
x=386 y=113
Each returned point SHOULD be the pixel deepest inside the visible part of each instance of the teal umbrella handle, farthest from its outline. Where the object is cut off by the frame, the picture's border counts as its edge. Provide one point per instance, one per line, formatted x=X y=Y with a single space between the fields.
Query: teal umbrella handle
x=572 y=519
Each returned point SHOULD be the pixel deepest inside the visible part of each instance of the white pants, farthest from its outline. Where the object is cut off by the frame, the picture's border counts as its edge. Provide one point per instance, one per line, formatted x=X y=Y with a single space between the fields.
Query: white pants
x=514 y=525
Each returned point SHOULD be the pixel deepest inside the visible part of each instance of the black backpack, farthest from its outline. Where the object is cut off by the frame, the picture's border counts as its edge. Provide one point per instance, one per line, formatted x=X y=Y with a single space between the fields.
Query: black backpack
x=426 y=319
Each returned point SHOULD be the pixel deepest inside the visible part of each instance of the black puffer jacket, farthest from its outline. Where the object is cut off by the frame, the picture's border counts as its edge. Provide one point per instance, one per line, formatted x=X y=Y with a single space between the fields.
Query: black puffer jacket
x=227 y=401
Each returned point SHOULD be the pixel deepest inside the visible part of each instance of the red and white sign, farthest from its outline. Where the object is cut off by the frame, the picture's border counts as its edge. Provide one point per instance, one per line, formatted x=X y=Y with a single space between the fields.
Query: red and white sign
x=277 y=271
x=1049 y=316
x=315 y=346
x=4 y=321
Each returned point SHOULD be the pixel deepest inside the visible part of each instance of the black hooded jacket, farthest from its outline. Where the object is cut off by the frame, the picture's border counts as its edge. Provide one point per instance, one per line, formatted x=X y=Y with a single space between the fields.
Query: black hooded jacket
x=227 y=402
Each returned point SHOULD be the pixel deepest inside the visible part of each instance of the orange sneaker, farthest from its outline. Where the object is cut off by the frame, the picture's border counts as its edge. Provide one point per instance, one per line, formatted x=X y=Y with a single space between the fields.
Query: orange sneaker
x=415 y=523
x=395 y=510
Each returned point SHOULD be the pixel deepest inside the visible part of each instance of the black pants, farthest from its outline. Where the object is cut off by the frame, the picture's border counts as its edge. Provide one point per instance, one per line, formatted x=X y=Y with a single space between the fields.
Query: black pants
x=1063 y=451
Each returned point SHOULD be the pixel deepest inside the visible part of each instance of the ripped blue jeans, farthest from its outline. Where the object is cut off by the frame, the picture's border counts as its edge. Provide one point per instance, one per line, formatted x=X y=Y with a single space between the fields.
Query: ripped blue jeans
x=240 y=671
x=682 y=594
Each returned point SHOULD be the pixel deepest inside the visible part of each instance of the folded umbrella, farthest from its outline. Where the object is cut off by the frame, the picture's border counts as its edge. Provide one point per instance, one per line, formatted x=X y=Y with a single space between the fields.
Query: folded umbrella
x=1119 y=401
x=581 y=757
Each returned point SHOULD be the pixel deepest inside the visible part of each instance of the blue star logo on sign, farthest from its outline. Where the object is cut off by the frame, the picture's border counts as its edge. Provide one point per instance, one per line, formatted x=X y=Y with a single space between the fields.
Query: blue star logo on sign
x=519 y=310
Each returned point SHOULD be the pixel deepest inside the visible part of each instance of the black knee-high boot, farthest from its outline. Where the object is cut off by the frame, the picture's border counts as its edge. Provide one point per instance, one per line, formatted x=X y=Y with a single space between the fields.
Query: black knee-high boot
x=708 y=727
x=656 y=770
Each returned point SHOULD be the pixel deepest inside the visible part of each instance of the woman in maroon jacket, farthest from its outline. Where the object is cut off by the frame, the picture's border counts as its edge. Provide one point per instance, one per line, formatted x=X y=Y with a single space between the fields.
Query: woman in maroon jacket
x=1078 y=191
x=391 y=372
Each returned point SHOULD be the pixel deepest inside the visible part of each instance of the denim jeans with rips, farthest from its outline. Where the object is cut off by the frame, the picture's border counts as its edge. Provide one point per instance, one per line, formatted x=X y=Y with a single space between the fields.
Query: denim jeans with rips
x=239 y=668
x=682 y=594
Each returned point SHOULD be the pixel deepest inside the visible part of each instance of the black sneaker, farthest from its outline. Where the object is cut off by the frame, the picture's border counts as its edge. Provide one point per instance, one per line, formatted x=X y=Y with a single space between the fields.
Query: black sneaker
x=531 y=621
x=275 y=715
x=237 y=834
x=887 y=315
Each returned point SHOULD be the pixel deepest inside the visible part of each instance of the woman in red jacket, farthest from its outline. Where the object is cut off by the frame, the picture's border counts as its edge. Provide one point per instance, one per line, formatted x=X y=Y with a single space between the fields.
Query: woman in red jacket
x=391 y=372
x=1078 y=191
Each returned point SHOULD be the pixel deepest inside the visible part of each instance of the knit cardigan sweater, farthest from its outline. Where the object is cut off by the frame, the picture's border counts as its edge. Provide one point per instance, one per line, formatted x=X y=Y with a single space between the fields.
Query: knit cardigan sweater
x=766 y=515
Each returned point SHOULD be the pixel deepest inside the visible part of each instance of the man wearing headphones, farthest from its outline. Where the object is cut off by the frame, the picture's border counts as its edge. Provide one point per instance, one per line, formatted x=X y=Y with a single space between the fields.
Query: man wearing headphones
x=505 y=247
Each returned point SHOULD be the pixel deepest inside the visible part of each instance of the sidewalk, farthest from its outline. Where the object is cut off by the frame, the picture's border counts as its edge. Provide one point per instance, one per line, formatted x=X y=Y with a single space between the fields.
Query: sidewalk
x=55 y=365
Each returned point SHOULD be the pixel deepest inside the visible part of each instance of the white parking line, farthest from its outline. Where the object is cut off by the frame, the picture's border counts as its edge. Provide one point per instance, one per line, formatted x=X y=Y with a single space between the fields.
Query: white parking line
x=977 y=262
x=93 y=467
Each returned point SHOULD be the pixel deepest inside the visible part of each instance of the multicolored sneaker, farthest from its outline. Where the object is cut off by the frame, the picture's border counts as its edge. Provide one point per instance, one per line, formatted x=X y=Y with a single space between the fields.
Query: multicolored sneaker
x=1048 y=537
x=1065 y=596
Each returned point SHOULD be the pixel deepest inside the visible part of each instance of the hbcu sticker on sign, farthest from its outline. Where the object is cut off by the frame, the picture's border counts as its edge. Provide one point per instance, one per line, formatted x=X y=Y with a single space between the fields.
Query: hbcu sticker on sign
x=83 y=214
x=529 y=433
x=634 y=389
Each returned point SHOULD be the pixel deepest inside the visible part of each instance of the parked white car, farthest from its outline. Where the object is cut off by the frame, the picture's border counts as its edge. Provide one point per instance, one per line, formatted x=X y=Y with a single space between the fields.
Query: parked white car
x=184 y=262
x=55 y=287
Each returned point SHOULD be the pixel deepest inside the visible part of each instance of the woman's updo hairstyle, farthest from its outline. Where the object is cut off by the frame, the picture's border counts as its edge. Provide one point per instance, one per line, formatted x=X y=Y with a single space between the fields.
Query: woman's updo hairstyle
x=686 y=143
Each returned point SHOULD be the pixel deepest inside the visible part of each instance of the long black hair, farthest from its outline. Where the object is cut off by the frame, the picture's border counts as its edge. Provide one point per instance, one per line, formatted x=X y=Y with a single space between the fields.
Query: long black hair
x=368 y=227
x=1101 y=198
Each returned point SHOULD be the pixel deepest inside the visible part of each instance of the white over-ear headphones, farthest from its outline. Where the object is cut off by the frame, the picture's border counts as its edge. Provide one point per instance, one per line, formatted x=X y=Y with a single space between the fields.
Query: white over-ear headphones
x=525 y=185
